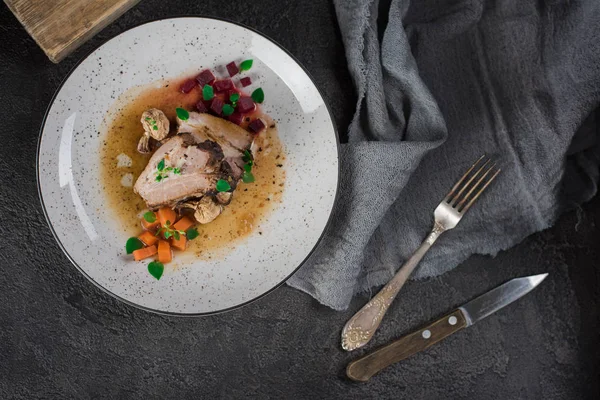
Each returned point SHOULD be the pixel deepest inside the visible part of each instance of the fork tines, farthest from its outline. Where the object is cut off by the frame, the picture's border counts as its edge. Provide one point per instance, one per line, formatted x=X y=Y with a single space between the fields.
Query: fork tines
x=477 y=178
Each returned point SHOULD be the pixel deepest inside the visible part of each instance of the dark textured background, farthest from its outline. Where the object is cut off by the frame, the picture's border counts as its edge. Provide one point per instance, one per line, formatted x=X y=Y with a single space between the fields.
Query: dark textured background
x=61 y=337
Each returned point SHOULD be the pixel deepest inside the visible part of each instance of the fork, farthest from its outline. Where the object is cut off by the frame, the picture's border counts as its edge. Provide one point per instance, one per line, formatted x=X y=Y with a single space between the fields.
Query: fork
x=362 y=326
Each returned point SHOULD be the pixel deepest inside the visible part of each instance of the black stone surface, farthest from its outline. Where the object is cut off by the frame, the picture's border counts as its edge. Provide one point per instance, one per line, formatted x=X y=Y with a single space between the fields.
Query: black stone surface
x=62 y=338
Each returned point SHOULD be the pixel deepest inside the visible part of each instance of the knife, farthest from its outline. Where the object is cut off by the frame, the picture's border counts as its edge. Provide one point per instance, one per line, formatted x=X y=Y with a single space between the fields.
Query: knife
x=466 y=315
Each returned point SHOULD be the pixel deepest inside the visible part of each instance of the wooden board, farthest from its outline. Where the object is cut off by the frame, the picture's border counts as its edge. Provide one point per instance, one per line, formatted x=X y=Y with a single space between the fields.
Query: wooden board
x=60 y=26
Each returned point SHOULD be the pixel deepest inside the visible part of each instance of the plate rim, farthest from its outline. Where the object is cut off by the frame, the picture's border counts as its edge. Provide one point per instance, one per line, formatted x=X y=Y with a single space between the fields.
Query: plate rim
x=171 y=313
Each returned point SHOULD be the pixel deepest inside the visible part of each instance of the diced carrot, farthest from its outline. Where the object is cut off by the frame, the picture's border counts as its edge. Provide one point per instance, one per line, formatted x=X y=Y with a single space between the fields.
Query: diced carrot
x=166 y=214
x=150 y=226
x=164 y=252
x=149 y=238
x=179 y=244
x=184 y=224
x=144 y=253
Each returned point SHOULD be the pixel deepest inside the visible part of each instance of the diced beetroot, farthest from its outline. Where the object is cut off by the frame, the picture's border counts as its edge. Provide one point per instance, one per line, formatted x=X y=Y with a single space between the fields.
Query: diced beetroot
x=201 y=107
x=236 y=118
x=217 y=105
x=188 y=85
x=223 y=85
x=246 y=81
x=232 y=68
x=245 y=104
x=257 y=125
x=205 y=77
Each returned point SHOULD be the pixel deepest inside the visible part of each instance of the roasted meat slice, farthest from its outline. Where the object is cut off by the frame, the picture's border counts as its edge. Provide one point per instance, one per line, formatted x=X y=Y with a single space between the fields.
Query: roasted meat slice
x=233 y=139
x=182 y=168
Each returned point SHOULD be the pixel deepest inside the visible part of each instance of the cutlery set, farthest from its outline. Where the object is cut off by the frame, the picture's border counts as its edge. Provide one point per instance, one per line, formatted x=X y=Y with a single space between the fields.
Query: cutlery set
x=359 y=330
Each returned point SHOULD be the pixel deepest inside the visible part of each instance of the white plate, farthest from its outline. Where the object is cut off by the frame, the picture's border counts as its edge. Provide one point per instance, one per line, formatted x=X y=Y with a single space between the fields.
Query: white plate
x=69 y=174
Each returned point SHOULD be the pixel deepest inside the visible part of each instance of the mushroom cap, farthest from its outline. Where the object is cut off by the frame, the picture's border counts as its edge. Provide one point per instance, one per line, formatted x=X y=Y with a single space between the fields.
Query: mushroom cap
x=155 y=123
x=207 y=209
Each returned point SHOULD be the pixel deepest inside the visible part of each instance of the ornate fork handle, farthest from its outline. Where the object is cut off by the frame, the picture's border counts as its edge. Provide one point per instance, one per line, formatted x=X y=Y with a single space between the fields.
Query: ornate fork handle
x=361 y=327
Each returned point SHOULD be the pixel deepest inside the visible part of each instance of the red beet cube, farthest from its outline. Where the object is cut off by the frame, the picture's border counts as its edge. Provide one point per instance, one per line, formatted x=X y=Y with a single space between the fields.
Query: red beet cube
x=217 y=105
x=188 y=85
x=232 y=68
x=236 y=118
x=256 y=126
x=225 y=84
x=245 y=104
x=246 y=81
x=205 y=77
x=201 y=107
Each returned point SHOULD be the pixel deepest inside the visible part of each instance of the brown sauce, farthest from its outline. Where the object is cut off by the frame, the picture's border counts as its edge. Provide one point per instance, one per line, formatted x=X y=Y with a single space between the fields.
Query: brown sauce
x=251 y=202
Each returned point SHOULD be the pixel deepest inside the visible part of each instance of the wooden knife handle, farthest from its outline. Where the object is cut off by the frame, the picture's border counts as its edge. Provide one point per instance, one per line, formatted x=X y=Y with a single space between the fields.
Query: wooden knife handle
x=365 y=367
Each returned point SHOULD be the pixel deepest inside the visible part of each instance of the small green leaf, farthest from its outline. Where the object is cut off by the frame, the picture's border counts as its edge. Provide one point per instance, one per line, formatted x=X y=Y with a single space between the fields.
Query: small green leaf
x=247 y=157
x=191 y=234
x=247 y=177
x=161 y=165
x=158 y=178
x=150 y=217
x=246 y=65
x=227 y=110
x=258 y=95
x=156 y=269
x=234 y=97
x=167 y=223
x=168 y=234
x=148 y=118
x=133 y=244
x=176 y=235
x=247 y=167
x=223 y=186
x=208 y=92
x=155 y=127
x=182 y=113
x=177 y=171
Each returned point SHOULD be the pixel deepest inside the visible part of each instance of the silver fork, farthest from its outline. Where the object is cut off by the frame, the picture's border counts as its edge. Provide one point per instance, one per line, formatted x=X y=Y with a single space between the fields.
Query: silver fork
x=362 y=326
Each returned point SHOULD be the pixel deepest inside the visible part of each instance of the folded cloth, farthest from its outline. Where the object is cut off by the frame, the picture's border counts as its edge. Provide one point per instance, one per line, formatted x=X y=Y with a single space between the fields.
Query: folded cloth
x=439 y=83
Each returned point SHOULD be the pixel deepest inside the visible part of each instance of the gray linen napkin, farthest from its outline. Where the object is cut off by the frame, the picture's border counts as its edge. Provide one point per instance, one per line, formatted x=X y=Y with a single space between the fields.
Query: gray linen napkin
x=439 y=83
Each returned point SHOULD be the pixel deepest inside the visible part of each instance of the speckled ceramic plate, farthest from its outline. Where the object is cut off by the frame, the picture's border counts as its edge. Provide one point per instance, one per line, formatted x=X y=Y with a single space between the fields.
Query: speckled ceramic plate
x=69 y=174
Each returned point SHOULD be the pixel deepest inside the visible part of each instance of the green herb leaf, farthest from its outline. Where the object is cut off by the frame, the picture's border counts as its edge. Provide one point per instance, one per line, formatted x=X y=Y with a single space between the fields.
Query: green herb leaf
x=247 y=177
x=133 y=244
x=176 y=235
x=155 y=127
x=168 y=234
x=177 y=171
x=161 y=165
x=223 y=186
x=167 y=223
x=248 y=167
x=158 y=178
x=258 y=95
x=208 y=92
x=227 y=110
x=234 y=97
x=247 y=157
x=150 y=217
x=182 y=113
x=156 y=269
x=148 y=118
x=246 y=65
x=191 y=234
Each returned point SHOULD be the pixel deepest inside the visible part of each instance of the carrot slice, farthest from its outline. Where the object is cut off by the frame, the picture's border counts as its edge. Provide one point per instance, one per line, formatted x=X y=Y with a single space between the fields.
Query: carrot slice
x=184 y=224
x=164 y=252
x=148 y=238
x=144 y=253
x=166 y=214
x=150 y=226
x=179 y=244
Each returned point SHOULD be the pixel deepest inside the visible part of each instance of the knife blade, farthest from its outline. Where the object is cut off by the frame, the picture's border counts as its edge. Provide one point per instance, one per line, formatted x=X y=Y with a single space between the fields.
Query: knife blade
x=464 y=316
